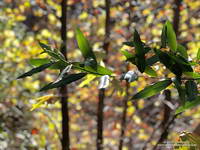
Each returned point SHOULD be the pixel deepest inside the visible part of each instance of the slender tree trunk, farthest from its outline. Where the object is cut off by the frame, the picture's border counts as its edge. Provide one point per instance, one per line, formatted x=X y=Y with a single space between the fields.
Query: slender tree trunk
x=125 y=106
x=102 y=91
x=124 y=117
x=63 y=90
x=176 y=19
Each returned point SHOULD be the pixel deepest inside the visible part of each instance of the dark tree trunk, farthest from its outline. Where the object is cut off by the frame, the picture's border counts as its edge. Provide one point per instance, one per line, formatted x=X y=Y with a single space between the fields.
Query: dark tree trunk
x=176 y=19
x=102 y=91
x=63 y=90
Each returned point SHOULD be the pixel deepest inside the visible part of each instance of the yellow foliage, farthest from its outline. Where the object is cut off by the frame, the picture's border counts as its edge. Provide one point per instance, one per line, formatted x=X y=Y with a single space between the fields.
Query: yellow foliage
x=41 y=100
x=87 y=80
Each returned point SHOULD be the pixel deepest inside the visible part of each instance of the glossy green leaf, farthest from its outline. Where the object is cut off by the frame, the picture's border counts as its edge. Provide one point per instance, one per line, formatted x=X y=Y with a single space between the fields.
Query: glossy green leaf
x=39 y=61
x=152 y=89
x=188 y=105
x=171 y=36
x=148 y=70
x=67 y=79
x=191 y=89
x=182 y=50
x=198 y=54
x=35 y=70
x=84 y=45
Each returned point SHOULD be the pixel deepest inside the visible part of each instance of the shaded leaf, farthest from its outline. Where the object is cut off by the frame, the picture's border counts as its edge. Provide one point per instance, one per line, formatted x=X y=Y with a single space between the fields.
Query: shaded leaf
x=152 y=60
x=181 y=90
x=52 y=52
x=35 y=70
x=138 y=44
x=140 y=63
x=191 y=89
x=152 y=89
x=131 y=44
x=67 y=79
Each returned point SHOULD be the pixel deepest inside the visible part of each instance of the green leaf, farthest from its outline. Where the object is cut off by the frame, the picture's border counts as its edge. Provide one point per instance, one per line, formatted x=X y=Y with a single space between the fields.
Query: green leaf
x=84 y=45
x=191 y=89
x=59 y=65
x=35 y=70
x=164 y=37
x=192 y=75
x=148 y=70
x=182 y=50
x=67 y=79
x=198 y=54
x=171 y=36
x=127 y=54
x=139 y=46
x=100 y=70
x=181 y=90
x=188 y=105
x=39 y=61
x=52 y=52
x=152 y=60
x=41 y=100
x=131 y=44
x=165 y=59
x=152 y=89
x=140 y=63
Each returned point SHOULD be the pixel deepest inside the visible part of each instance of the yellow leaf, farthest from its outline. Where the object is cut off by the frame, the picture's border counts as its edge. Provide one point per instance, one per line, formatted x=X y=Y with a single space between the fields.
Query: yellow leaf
x=41 y=101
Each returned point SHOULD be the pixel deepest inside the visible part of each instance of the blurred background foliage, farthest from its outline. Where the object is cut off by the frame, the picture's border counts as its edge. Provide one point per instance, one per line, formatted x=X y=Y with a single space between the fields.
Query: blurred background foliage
x=25 y=22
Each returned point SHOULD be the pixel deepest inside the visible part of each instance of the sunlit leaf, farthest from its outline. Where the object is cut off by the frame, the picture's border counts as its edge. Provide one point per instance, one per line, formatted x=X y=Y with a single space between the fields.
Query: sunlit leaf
x=41 y=100
x=198 y=54
x=152 y=89
x=35 y=70
x=188 y=105
x=100 y=70
x=148 y=70
x=192 y=75
x=39 y=61
x=84 y=45
x=182 y=50
x=88 y=79
x=171 y=36
x=67 y=79
x=164 y=37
